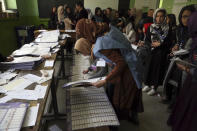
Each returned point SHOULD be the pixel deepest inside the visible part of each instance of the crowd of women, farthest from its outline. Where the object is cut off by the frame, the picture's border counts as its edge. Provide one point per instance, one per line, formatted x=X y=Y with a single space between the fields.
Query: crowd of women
x=109 y=35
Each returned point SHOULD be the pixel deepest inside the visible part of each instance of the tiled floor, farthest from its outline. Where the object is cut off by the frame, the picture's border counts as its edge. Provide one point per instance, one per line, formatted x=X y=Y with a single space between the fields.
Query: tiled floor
x=153 y=119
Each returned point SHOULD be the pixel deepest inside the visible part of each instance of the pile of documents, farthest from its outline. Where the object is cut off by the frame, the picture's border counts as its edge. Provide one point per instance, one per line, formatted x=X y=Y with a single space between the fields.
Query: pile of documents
x=22 y=63
x=12 y=115
x=48 y=36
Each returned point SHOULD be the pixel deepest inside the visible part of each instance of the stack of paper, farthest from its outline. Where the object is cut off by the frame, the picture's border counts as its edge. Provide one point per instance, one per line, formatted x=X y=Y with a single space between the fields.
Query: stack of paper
x=31 y=116
x=12 y=115
x=22 y=63
x=48 y=36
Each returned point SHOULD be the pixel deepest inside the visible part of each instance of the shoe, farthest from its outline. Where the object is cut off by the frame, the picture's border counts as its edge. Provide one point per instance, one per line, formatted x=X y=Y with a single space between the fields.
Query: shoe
x=146 y=89
x=152 y=92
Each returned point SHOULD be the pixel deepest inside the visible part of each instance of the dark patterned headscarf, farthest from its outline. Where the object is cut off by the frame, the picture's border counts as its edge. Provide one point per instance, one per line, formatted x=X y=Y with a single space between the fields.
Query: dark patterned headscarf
x=159 y=31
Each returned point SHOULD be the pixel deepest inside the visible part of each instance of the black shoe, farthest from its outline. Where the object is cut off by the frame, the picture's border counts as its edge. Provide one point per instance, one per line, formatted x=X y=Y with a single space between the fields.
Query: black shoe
x=134 y=118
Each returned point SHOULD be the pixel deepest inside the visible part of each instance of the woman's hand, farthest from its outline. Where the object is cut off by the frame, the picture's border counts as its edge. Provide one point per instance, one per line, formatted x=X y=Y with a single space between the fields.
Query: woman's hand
x=9 y=58
x=175 y=48
x=100 y=83
x=85 y=71
x=182 y=67
x=156 y=44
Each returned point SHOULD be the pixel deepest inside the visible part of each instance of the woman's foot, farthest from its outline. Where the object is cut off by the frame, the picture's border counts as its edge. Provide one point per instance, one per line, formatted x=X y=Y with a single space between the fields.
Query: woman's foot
x=146 y=89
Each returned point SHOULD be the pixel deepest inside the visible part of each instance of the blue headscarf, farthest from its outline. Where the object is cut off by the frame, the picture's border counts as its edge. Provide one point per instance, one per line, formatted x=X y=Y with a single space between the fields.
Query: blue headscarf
x=116 y=40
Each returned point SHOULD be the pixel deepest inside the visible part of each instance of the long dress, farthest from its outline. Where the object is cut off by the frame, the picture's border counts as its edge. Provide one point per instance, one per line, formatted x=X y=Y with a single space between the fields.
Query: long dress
x=126 y=96
x=158 y=62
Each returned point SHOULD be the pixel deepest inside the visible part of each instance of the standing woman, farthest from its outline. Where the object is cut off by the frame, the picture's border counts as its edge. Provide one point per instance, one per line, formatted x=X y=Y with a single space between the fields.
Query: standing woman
x=98 y=15
x=68 y=21
x=53 y=19
x=184 y=115
x=60 y=14
x=125 y=78
x=158 y=38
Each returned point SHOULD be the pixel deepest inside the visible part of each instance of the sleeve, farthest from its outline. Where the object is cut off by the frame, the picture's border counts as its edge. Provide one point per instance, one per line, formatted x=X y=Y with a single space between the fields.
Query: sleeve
x=2 y=58
x=115 y=56
x=78 y=30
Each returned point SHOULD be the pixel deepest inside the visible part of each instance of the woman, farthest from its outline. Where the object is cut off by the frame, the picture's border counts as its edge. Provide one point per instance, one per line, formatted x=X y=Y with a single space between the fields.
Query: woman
x=86 y=28
x=182 y=29
x=158 y=38
x=68 y=19
x=130 y=31
x=98 y=15
x=53 y=19
x=125 y=77
x=182 y=38
x=184 y=116
x=60 y=14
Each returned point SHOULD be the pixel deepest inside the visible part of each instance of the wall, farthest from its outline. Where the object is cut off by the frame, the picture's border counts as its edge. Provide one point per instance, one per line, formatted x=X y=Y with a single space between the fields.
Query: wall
x=103 y=4
x=28 y=11
x=140 y=4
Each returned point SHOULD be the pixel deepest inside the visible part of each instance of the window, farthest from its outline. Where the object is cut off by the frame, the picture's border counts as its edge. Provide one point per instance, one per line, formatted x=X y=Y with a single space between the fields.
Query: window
x=3 y=5
x=8 y=5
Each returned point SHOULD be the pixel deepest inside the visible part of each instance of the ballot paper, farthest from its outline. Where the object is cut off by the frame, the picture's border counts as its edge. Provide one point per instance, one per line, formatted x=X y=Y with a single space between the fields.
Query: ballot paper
x=49 y=63
x=7 y=75
x=83 y=82
x=180 y=52
x=3 y=82
x=41 y=91
x=100 y=63
x=17 y=84
x=48 y=36
x=32 y=77
x=134 y=46
x=31 y=116
x=23 y=94
x=5 y=99
x=12 y=115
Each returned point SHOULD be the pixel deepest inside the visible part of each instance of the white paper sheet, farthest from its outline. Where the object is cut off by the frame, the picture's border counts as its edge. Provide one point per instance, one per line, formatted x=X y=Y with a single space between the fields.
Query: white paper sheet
x=33 y=78
x=41 y=90
x=49 y=63
x=101 y=63
x=31 y=116
x=3 y=82
x=17 y=84
x=5 y=99
x=7 y=75
x=23 y=94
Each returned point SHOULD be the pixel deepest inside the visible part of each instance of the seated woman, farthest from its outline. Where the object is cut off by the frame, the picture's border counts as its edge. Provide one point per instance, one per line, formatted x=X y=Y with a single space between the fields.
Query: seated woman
x=125 y=78
x=158 y=38
x=184 y=116
x=6 y=59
